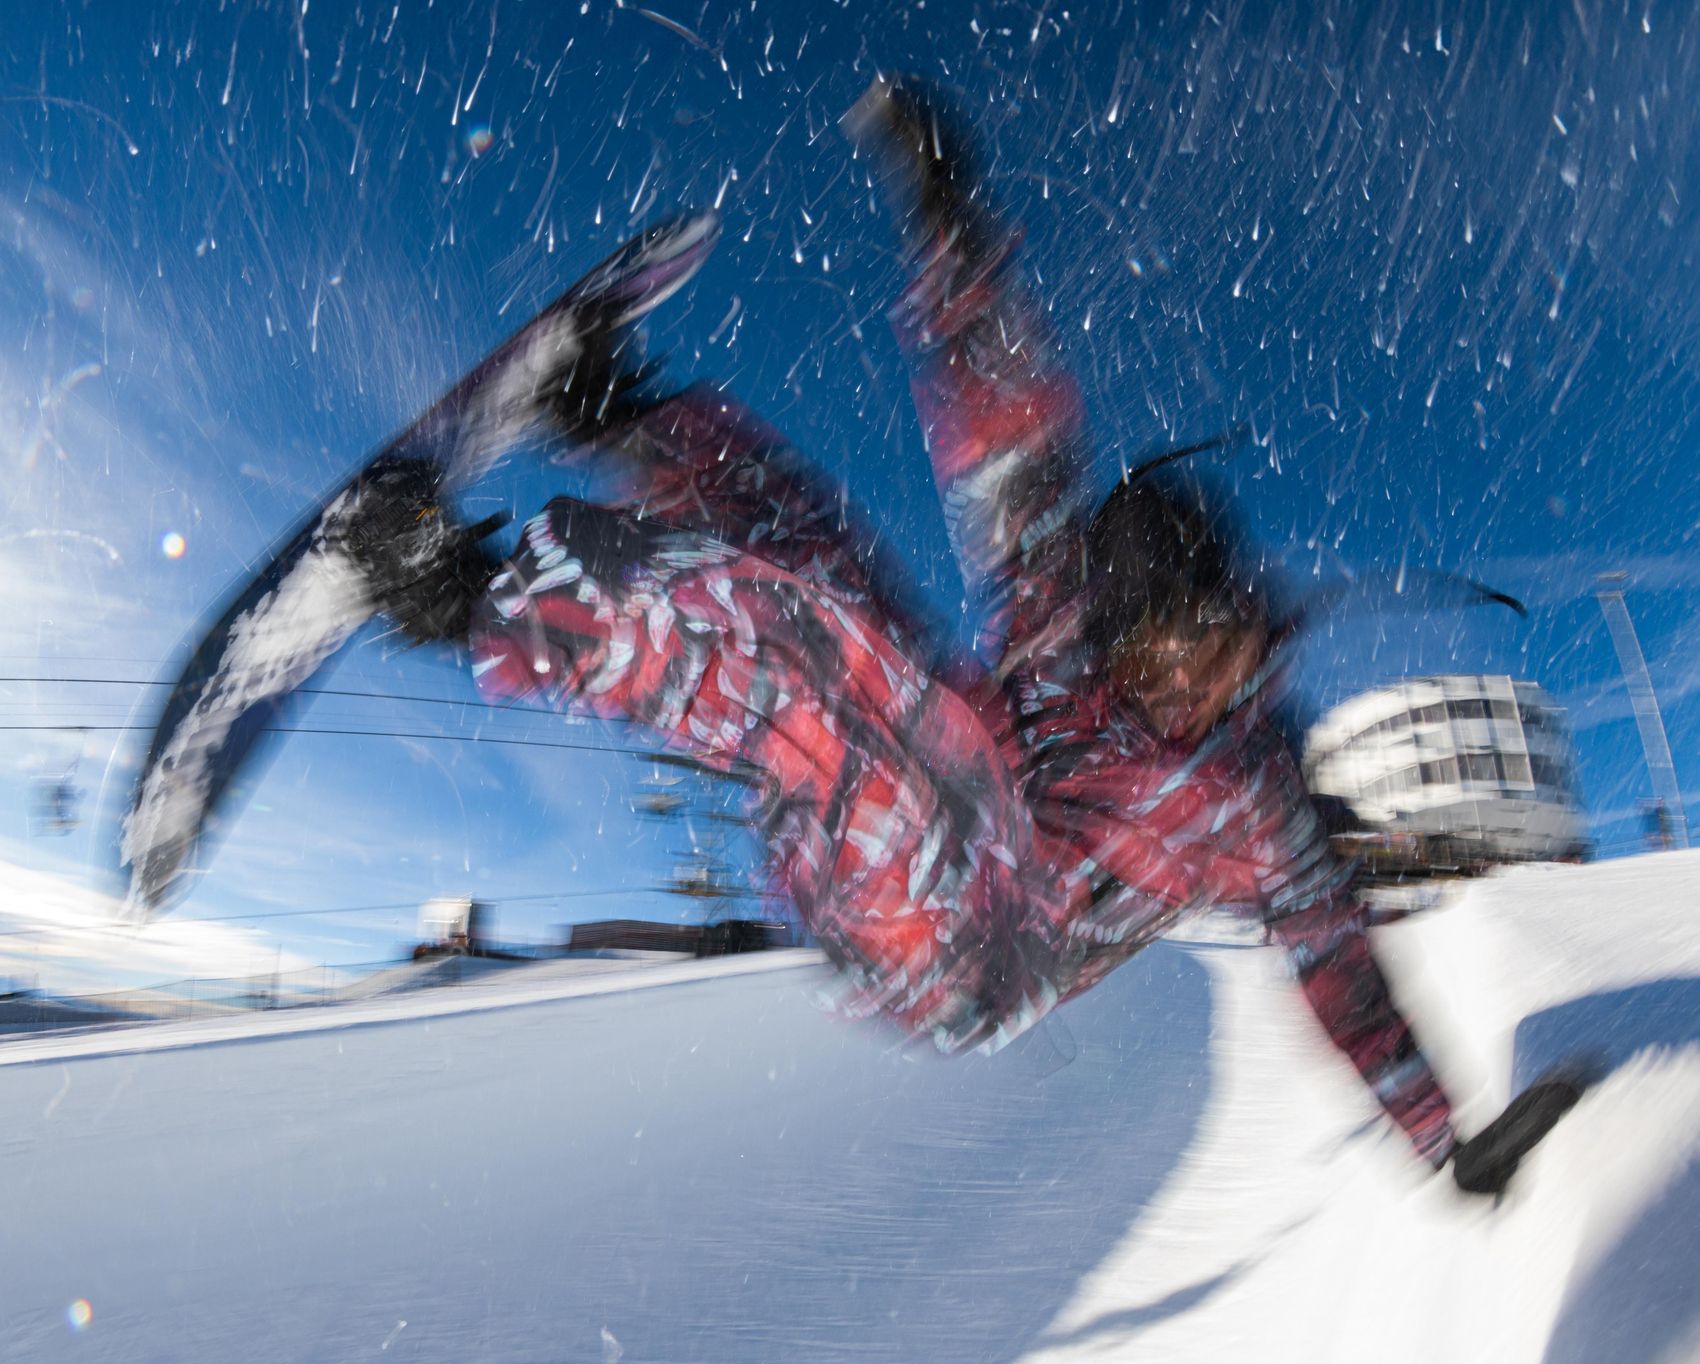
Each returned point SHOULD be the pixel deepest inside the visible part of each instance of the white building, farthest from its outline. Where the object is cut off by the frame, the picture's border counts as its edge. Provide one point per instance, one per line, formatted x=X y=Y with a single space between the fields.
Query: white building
x=453 y=921
x=1483 y=763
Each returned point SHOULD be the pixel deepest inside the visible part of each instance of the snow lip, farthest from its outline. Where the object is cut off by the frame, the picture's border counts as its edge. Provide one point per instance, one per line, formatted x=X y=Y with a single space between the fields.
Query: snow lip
x=483 y=997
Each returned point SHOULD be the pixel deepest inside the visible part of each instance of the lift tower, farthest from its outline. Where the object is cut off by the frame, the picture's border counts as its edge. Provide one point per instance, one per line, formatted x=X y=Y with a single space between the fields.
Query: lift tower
x=1673 y=822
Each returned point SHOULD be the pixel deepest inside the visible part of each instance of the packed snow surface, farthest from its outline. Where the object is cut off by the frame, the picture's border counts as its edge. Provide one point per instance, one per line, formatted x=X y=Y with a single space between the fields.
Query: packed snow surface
x=693 y=1162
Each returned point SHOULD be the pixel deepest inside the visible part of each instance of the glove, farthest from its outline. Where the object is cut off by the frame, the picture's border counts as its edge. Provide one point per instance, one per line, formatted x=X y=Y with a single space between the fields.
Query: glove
x=1486 y=1162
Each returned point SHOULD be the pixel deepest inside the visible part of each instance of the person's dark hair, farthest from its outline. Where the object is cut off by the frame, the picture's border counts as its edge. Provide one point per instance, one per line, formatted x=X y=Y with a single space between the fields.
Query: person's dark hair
x=1163 y=553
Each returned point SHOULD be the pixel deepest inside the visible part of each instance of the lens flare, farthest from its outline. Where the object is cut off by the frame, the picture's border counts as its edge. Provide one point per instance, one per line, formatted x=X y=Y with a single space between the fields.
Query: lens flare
x=79 y=1314
x=173 y=545
x=478 y=139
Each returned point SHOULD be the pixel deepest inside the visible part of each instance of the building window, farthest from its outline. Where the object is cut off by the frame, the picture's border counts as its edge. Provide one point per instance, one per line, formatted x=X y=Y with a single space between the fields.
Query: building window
x=1515 y=769
x=1548 y=772
x=1443 y=773
x=1480 y=767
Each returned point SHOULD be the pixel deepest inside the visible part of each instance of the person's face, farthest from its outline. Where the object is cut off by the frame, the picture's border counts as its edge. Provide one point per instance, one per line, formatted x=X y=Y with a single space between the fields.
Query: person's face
x=1184 y=680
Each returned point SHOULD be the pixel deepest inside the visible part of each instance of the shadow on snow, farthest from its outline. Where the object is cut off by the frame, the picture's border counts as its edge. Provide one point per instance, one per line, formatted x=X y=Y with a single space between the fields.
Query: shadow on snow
x=1637 y=1303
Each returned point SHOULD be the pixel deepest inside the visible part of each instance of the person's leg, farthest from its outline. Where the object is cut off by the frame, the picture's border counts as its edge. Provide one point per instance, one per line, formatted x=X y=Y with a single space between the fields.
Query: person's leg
x=892 y=820
x=697 y=459
x=700 y=460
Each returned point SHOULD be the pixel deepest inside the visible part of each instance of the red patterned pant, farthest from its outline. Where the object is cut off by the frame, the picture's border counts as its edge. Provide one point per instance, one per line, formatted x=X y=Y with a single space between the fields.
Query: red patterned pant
x=892 y=820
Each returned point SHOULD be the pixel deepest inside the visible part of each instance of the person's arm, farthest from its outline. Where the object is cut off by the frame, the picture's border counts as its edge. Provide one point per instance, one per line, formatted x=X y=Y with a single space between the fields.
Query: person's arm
x=1002 y=418
x=1000 y=412
x=1313 y=908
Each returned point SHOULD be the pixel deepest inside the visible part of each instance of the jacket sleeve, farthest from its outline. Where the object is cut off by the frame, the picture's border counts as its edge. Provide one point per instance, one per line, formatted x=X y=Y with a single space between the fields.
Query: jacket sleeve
x=1276 y=861
x=1001 y=416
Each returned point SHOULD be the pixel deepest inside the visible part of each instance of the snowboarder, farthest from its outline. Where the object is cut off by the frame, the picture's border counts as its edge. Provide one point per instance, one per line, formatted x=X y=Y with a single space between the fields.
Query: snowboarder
x=969 y=852
x=968 y=857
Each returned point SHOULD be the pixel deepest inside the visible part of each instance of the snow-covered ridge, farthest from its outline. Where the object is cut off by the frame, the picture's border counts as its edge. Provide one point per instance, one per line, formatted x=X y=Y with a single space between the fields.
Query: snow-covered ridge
x=1174 y=1167
x=516 y=986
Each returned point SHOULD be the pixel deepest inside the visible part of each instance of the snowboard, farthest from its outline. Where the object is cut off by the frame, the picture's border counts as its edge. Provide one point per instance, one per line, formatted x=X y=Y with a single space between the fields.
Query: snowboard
x=281 y=625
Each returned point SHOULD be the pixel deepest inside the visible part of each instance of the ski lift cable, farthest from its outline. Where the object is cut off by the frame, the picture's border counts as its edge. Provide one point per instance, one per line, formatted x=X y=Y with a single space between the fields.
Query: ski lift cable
x=647 y=755
x=303 y=691
x=605 y=891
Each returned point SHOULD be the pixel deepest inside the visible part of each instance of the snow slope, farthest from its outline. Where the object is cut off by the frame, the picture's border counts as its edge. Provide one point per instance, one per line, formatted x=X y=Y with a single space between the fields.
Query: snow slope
x=692 y=1162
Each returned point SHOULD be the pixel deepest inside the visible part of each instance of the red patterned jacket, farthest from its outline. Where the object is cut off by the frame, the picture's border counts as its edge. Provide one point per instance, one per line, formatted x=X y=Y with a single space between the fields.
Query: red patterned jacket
x=968 y=854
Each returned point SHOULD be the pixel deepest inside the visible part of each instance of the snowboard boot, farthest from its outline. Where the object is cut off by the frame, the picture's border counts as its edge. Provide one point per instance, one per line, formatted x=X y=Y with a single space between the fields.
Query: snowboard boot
x=423 y=569
x=606 y=385
x=601 y=379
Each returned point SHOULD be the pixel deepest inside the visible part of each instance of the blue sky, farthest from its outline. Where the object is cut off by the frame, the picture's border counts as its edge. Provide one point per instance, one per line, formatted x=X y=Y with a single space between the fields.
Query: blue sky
x=1439 y=258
